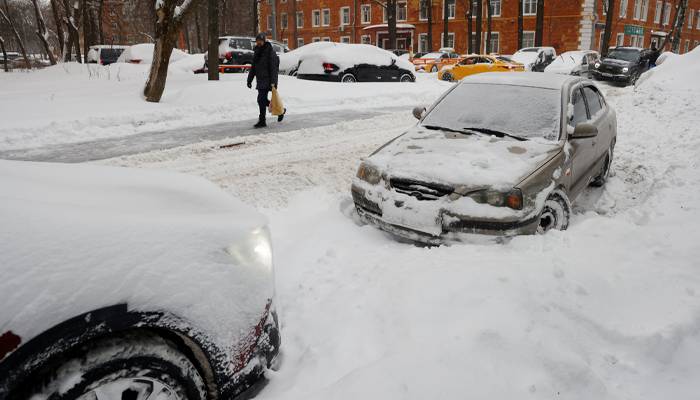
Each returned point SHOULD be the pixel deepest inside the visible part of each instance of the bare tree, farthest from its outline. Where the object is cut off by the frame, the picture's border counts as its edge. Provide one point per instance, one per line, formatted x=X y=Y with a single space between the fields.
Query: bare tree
x=609 y=6
x=539 y=25
x=59 y=27
x=489 y=15
x=470 y=40
x=675 y=35
x=520 y=24
x=390 y=8
x=4 y=53
x=169 y=19
x=42 y=33
x=479 y=13
x=213 y=50
x=429 y=11
x=6 y=17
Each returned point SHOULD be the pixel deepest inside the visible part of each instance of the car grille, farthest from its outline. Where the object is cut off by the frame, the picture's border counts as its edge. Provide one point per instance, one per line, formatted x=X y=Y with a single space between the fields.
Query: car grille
x=420 y=190
x=364 y=203
x=610 y=69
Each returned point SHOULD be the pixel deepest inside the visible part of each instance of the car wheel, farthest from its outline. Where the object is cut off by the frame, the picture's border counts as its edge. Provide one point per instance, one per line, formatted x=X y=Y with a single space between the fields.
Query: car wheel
x=406 y=78
x=555 y=214
x=133 y=367
x=348 y=78
x=447 y=77
x=602 y=177
x=434 y=68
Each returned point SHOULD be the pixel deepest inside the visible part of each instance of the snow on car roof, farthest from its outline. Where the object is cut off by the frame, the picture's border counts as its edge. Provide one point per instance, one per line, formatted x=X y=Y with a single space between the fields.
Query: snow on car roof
x=348 y=55
x=532 y=79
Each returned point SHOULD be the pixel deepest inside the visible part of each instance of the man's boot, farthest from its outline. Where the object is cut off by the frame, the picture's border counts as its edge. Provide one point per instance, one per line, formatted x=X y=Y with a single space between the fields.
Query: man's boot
x=261 y=123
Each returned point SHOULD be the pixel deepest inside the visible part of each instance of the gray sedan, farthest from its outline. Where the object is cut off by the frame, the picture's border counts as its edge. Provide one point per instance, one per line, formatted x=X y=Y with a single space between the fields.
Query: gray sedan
x=499 y=154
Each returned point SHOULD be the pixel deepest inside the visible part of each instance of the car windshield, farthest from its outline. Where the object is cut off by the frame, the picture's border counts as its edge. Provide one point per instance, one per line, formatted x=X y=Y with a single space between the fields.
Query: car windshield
x=432 y=55
x=527 y=112
x=505 y=59
x=627 y=55
x=241 y=44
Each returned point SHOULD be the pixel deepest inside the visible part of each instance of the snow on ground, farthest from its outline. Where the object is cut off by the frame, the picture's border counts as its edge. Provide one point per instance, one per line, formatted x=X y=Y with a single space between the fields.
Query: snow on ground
x=609 y=309
x=73 y=102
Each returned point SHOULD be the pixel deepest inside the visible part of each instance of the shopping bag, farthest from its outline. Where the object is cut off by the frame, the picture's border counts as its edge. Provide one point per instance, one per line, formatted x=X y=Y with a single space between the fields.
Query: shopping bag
x=276 y=106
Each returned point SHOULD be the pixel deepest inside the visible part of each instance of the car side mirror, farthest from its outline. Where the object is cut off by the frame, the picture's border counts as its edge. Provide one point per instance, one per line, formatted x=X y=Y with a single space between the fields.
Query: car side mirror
x=584 y=130
x=419 y=112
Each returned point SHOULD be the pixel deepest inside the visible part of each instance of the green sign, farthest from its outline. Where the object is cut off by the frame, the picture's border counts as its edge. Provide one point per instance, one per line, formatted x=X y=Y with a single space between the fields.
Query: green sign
x=634 y=30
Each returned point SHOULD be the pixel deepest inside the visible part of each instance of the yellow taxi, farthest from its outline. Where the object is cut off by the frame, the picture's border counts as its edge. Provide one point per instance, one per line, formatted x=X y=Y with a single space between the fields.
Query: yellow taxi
x=476 y=64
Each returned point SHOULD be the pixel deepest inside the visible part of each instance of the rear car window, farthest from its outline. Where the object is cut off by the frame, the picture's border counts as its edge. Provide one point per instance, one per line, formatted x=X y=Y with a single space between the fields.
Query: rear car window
x=111 y=54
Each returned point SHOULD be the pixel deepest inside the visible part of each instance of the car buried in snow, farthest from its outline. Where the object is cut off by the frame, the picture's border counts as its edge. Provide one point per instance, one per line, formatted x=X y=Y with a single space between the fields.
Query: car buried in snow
x=130 y=284
x=498 y=154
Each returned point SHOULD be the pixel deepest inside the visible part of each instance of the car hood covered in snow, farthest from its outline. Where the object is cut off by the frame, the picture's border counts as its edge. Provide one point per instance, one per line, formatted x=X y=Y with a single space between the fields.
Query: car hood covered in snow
x=76 y=238
x=455 y=159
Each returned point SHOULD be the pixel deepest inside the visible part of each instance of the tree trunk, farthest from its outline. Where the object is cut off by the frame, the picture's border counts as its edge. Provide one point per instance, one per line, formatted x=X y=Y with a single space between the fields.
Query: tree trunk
x=59 y=27
x=445 y=23
x=6 y=16
x=479 y=13
x=255 y=16
x=42 y=33
x=391 y=22
x=470 y=40
x=213 y=49
x=71 y=22
x=539 y=27
x=520 y=24
x=198 y=31
x=678 y=26
x=489 y=13
x=4 y=54
x=430 y=25
x=608 y=28
x=100 y=11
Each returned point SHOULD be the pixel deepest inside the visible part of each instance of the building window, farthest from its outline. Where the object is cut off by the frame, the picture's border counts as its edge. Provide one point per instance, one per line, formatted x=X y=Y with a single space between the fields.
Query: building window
x=637 y=41
x=326 y=39
x=495 y=8
x=366 y=13
x=401 y=11
x=270 y=22
x=600 y=42
x=451 y=10
x=326 y=16
x=300 y=20
x=687 y=46
x=300 y=41
x=495 y=43
x=284 y=23
x=529 y=7
x=315 y=39
x=657 y=12
x=620 y=39
x=423 y=42
x=667 y=13
x=623 y=8
x=637 y=10
x=690 y=19
x=365 y=39
x=345 y=16
x=345 y=39
x=423 y=12
x=450 y=42
x=528 y=39
x=645 y=9
x=697 y=21
x=474 y=46
x=316 y=18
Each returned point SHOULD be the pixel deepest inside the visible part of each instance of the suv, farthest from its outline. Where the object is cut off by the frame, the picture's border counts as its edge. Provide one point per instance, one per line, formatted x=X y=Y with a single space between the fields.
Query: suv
x=622 y=64
x=130 y=284
x=104 y=54
x=535 y=59
x=236 y=52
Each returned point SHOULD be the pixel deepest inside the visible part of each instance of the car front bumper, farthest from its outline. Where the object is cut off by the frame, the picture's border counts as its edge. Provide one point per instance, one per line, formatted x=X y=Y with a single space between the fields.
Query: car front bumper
x=607 y=76
x=453 y=227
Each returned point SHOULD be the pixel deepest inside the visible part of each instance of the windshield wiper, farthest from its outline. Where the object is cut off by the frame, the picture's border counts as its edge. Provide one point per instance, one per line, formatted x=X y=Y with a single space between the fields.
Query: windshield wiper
x=444 y=128
x=496 y=133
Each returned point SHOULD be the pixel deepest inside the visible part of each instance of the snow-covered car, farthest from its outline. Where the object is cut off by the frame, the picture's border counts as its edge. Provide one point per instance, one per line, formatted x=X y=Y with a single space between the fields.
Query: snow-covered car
x=535 y=59
x=498 y=154
x=104 y=54
x=622 y=64
x=143 y=54
x=578 y=63
x=350 y=63
x=289 y=62
x=130 y=284
x=236 y=53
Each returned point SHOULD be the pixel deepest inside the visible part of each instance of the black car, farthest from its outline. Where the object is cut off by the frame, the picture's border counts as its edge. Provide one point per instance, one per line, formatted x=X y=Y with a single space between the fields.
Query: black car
x=622 y=64
x=352 y=63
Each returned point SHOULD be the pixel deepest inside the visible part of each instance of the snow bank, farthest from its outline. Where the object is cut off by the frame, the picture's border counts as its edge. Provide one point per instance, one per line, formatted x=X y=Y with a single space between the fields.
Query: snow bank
x=144 y=53
x=348 y=55
x=679 y=72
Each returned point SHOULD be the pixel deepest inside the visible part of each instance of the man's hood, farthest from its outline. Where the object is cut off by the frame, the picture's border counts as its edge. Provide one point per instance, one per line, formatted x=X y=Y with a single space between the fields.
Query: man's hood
x=454 y=159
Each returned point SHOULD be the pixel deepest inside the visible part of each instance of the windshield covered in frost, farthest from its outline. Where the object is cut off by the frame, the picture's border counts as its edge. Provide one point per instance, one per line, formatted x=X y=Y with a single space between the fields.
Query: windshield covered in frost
x=527 y=112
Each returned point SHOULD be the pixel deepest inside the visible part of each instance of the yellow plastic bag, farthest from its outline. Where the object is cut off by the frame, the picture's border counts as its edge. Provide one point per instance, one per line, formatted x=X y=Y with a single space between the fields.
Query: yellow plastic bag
x=276 y=106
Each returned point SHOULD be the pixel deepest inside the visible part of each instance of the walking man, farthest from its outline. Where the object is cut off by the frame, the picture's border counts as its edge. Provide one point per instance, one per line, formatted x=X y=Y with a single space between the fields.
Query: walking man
x=265 y=69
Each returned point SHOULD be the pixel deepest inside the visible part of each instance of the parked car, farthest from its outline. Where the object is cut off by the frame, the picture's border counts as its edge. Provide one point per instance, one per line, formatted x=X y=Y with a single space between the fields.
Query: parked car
x=236 y=52
x=351 y=63
x=104 y=54
x=289 y=62
x=535 y=59
x=497 y=154
x=433 y=62
x=130 y=284
x=143 y=54
x=579 y=63
x=622 y=64
x=476 y=64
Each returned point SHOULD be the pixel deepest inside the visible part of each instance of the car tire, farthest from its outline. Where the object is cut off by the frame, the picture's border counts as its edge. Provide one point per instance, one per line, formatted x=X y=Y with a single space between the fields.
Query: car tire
x=447 y=77
x=131 y=366
x=602 y=177
x=434 y=68
x=406 y=78
x=555 y=214
x=348 y=78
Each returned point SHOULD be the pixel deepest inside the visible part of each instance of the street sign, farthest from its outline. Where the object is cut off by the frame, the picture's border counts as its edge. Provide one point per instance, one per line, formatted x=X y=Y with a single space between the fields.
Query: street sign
x=634 y=30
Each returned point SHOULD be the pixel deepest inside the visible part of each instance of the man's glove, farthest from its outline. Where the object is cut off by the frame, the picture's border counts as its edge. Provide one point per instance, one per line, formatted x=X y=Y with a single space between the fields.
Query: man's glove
x=250 y=85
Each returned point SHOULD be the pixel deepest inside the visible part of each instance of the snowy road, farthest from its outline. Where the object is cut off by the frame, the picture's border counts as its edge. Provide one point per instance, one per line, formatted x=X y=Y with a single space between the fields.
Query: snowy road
x=111 y=147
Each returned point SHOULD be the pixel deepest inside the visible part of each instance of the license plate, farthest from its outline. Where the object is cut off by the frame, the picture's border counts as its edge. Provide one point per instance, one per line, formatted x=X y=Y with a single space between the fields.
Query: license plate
x=607 y=74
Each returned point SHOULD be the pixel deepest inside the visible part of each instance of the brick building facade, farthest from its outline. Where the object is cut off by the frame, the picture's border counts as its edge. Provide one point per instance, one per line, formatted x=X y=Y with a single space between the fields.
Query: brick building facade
x=568 y=24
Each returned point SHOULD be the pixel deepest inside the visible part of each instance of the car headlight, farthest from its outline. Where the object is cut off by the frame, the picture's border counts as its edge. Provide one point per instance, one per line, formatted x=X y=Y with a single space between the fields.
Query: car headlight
x=512 y=199
x=369 y=174
x=625 y=69
x=597 y=65
x=254 y=249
